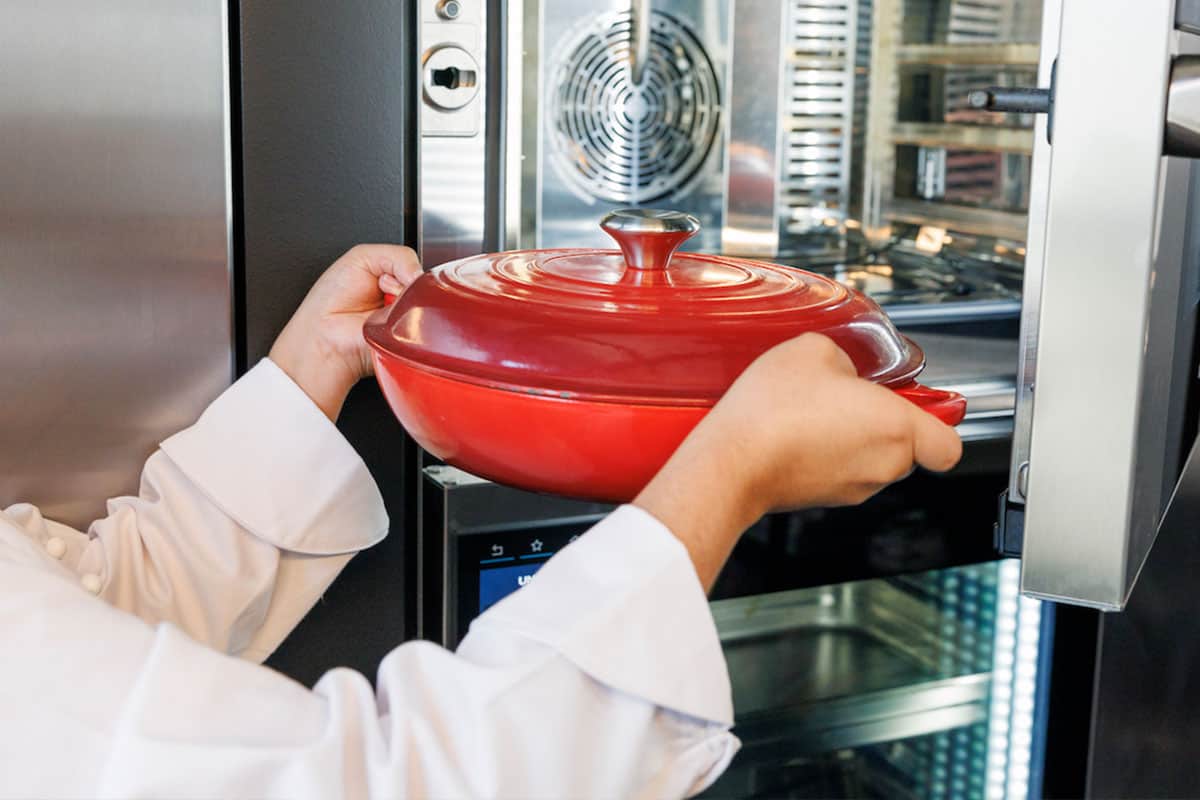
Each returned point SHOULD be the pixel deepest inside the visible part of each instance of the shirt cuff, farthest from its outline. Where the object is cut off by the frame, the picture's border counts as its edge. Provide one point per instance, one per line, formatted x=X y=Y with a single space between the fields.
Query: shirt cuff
x=624 y=604
x=266 y=456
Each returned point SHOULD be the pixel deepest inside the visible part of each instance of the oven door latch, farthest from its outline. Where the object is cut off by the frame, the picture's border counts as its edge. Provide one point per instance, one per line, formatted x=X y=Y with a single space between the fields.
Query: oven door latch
x=1008 y=100
x=1181 y=135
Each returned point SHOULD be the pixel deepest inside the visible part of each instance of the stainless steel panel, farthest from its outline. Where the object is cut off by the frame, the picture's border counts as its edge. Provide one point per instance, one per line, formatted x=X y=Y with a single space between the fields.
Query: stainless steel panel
x=854 y=664
x=925 y=134
x=453 y=157
x=1183 y=109
x=1009 y=225
x=753 y=159
x=981 y=369
x=115 y=304
x=1109 y=296
x=859 y=664
x=516 y=90
x=1187 y=16
x=822 y=47
x=959 y=54
x=1035 y=261
x=934 y=37
x=604 y=142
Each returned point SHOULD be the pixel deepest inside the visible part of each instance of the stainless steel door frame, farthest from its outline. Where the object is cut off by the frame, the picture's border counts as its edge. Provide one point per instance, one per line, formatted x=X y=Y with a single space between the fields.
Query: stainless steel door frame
x=1103 y=345
x=116 y=323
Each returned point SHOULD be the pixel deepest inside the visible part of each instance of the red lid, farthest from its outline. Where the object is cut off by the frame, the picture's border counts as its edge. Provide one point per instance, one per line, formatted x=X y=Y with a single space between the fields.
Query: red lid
x=641 y=325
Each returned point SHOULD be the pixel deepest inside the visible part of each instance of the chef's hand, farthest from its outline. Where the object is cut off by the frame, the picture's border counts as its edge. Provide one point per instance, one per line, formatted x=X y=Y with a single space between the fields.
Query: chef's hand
x=322 y=347
x=798 y=429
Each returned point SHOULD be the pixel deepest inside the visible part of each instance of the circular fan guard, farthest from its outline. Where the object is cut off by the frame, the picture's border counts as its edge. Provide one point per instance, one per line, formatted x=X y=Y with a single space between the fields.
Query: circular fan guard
x=616 y=141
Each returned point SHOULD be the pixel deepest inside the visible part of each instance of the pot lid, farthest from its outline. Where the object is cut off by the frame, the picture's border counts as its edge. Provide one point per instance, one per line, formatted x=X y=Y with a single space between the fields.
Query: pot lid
x=642 y=324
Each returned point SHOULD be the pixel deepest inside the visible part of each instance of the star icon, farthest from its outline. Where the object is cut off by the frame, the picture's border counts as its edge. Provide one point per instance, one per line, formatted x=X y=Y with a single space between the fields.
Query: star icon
x=536 y=545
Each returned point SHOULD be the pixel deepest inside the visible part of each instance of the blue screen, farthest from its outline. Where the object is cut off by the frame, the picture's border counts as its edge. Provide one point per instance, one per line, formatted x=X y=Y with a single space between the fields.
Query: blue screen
x=498 y=583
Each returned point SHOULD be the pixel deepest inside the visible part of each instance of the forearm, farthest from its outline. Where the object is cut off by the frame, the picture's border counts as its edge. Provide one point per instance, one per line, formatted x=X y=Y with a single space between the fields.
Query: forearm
x=703 y=501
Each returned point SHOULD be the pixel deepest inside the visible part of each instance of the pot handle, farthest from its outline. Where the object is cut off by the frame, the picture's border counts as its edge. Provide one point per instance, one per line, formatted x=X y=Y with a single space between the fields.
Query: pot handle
x=949 y=407
x=648 y=237
x=379 y=316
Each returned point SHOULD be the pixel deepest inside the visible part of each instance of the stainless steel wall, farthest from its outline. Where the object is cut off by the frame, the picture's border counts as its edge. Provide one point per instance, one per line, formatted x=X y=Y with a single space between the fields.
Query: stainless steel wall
x=115 y=303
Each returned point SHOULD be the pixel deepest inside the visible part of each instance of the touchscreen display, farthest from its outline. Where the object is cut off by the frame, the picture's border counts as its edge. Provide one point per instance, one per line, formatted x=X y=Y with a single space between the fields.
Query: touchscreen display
x=499 y=582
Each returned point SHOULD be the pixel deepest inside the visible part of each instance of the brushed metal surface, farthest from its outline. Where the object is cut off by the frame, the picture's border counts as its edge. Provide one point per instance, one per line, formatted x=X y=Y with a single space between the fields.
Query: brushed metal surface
x=1113 y=256
x=602 y=142
x=115 y=294
x=1187 y=16
x=1035 y=258
x=1183 y=108
x=453 y=156
x=823 y=42
x=756 y=124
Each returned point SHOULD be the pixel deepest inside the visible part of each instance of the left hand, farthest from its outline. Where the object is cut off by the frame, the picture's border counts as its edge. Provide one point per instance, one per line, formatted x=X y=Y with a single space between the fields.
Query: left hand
x=322 y=347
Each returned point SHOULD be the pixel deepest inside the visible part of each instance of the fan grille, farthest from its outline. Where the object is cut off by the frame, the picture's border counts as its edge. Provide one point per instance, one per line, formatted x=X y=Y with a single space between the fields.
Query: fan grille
x=615 y=141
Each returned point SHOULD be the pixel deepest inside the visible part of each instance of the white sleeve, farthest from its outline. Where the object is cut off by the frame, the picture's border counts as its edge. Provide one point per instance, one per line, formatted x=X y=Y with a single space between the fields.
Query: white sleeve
x=603 y=677
x=240 y=522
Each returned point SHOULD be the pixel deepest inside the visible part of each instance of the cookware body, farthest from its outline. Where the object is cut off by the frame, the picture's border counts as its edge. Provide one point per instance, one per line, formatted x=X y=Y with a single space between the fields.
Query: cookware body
x=579 y=372
x=577 y=448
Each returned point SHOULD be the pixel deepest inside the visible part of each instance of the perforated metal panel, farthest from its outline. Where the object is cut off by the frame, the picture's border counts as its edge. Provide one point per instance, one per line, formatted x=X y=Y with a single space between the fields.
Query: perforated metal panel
x=605 y=141
x=616 y=140
x=820 y=86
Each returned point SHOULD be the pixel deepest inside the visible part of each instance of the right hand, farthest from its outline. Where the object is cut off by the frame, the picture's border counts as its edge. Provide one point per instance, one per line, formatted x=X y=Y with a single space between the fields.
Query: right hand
x=798 y=429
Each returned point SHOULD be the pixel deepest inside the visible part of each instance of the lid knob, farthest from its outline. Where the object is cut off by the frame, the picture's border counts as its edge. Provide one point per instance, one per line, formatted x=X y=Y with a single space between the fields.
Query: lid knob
x=649 y=237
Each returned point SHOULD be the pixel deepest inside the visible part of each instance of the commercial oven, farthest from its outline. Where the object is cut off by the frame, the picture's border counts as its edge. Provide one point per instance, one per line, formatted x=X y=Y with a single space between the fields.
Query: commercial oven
x=991 y=171
x=972 y=165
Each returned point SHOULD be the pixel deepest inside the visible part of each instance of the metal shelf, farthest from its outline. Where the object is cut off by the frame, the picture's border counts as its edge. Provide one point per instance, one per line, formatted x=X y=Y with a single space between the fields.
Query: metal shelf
x=849 y=665
x=991 y=54
x=964 y=137
x=981 y=221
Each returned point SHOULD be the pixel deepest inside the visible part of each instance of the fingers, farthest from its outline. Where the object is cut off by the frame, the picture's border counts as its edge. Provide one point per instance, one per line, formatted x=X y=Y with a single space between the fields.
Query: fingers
x=936 y=446
x=396 y=262
x=389 y=285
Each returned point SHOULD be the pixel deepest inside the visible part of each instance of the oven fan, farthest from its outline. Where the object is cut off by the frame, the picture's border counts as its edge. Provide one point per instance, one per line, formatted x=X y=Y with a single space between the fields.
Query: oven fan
x=612 y=140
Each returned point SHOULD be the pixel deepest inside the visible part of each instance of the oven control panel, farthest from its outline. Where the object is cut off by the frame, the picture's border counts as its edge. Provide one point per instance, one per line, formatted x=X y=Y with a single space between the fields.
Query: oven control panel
x=493 y=566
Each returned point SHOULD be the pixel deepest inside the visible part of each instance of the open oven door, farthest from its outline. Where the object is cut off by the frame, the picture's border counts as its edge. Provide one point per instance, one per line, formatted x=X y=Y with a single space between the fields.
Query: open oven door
x=1110 y=297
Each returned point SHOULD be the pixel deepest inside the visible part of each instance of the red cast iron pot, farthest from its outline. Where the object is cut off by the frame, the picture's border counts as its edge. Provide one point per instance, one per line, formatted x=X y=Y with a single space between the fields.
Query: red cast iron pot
x=579 y=372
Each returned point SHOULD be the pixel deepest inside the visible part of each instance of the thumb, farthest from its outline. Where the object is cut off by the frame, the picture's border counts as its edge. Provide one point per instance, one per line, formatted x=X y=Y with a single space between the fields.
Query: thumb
x=936 y=446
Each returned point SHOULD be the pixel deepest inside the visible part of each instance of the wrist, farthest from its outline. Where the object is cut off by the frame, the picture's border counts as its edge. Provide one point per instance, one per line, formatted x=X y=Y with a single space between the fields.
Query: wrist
x=704 y=504
x=320 y=375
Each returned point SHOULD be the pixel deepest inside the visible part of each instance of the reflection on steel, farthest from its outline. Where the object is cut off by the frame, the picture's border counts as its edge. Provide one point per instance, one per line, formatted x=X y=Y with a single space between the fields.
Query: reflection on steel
x=453 y=162
x=627 y=141
x=1183 y=109
x=115 y=286
x=640 y=17
x=595 y=140
x=1109 y=352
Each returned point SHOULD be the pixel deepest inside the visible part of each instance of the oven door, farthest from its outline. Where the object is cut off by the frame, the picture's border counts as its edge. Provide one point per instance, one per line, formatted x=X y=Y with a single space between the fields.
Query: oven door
x=1109 y=304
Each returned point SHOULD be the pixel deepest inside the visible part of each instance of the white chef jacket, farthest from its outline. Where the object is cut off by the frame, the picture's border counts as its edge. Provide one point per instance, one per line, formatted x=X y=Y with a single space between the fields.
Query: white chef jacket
x=603 y=677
